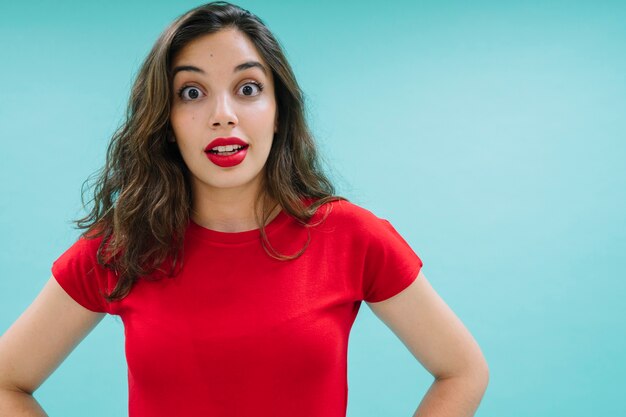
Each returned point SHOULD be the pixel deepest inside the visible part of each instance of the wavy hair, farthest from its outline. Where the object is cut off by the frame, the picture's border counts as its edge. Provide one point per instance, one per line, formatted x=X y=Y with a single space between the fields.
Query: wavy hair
x=142 y=194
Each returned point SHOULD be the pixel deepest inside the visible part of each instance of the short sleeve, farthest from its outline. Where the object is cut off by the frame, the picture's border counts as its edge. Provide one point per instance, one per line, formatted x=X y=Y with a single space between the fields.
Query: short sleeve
x=391 y=265
x=80 y=275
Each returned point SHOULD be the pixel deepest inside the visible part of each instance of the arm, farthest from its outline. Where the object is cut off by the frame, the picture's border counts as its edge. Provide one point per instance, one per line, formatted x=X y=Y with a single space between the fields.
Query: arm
x=440 y=342
x=36 y=344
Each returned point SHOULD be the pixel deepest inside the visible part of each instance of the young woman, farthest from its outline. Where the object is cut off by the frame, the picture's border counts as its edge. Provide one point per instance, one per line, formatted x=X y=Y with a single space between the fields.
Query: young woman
x=218 y=240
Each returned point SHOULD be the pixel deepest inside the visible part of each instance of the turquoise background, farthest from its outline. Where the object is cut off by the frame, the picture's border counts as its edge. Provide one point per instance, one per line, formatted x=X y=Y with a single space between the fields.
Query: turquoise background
x=491 y=134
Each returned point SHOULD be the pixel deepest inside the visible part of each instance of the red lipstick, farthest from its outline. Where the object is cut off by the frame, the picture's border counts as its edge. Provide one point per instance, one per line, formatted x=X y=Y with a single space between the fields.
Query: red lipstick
x=226 y=158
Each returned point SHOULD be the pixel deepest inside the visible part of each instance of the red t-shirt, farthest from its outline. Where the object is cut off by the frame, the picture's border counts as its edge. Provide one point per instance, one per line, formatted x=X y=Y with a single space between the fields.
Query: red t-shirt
x=239 y=333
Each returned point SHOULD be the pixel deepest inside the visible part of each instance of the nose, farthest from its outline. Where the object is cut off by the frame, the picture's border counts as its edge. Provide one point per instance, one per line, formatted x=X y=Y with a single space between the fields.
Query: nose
x=223 y=112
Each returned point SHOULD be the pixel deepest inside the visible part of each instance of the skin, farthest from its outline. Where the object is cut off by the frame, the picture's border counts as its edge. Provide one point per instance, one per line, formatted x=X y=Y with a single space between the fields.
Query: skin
x=219 y=102
x=36 y=344
x=440 y=342
x=223 y=200
x=54 y=324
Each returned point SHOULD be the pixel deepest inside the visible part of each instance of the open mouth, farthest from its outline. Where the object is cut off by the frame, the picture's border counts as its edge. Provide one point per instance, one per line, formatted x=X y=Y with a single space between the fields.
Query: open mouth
x=227 y=156
x=227 y=150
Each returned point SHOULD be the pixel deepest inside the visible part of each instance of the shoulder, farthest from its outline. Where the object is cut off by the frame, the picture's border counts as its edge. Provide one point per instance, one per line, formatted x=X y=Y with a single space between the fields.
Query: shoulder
x=349 y=215
x=89 y=245
x=350 y=210
x=83 y=250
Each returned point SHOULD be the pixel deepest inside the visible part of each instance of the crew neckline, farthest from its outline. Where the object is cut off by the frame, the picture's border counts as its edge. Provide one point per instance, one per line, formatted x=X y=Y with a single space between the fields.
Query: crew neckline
x=216 y=236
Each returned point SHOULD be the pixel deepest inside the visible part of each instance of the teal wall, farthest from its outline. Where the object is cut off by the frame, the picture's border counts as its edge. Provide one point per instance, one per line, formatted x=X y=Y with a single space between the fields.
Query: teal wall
x=491 y=134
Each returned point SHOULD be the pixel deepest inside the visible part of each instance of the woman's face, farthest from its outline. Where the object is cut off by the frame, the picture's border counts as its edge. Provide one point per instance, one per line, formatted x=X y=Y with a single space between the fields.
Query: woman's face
x=222 y=88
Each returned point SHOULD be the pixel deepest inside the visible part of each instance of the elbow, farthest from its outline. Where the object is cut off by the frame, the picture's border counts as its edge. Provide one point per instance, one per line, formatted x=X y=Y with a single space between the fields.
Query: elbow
x=479 y=372
x=480 y=375
x=483 y=374
x=15 y=388
x=476 y=371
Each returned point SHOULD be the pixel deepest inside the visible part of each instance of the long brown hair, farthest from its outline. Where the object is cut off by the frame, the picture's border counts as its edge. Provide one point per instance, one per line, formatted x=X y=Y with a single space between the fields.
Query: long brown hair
x=142 y=195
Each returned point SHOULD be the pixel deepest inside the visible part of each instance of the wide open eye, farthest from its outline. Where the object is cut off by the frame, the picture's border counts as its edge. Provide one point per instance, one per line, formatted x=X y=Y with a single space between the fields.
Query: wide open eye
x=251 y=89
x=189 y=93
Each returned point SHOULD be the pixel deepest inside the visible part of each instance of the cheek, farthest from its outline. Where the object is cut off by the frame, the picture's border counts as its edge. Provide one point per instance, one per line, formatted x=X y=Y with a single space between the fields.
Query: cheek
x=175 y=120
x=262 y=116
x=183 y=121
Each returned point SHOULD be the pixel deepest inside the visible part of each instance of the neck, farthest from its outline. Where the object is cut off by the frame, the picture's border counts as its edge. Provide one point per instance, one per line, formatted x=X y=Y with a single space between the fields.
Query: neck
x=229 y=210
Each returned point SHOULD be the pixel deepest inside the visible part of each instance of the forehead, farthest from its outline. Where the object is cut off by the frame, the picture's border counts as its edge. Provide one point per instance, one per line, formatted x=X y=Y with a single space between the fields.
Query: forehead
x=220 y=49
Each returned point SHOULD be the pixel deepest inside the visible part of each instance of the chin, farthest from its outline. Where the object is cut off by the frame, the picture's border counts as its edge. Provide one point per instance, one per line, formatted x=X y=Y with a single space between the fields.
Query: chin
x=231 y=183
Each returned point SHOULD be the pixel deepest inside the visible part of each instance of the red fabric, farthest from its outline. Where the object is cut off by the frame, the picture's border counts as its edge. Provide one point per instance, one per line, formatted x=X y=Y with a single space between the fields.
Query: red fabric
x=238 y=333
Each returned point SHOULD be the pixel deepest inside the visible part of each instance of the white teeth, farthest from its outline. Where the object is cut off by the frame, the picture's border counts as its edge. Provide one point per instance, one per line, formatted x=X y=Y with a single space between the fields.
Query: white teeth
x=227 y=148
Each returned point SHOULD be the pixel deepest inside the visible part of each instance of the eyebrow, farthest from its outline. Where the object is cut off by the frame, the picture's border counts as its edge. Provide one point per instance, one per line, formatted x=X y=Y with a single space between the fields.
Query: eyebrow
x=240 y=67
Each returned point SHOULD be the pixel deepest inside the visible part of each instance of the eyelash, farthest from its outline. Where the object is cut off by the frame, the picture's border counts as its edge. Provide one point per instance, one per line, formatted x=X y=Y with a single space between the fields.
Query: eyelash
x=180 y=91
